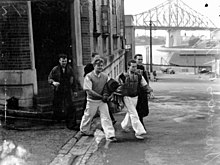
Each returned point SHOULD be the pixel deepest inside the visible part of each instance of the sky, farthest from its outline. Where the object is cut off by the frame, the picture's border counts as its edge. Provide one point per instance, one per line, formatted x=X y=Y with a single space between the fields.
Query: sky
x=212 y=11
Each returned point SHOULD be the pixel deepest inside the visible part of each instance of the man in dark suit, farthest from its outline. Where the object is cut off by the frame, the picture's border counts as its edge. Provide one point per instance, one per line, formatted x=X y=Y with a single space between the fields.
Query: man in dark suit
x=62 y=79
x=143 y=96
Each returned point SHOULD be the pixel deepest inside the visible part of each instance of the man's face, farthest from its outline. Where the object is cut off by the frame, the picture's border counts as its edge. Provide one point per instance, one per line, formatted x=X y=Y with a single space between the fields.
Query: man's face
x=139 y=60
x=99 y=67
x=63 y=62
x=133 y=67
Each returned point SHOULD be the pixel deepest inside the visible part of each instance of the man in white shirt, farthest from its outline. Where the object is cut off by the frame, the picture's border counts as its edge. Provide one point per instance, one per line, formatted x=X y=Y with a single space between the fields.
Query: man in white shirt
x=93 y=85
x=130 y=86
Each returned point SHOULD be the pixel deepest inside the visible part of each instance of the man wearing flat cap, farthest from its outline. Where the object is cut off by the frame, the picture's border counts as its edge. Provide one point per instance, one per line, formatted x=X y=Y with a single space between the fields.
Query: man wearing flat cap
x=93 y=85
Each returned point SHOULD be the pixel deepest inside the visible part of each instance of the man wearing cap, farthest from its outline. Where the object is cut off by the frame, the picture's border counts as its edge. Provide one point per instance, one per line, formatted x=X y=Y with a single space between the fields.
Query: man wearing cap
x=62 y=79
x=93 y=85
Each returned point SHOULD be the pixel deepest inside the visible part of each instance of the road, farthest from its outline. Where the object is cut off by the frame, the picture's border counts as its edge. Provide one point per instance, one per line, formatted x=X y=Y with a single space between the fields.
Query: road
x=183 y=127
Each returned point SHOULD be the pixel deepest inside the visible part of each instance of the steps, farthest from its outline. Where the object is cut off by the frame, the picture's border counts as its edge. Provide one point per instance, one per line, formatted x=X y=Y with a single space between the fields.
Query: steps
x=43 y=100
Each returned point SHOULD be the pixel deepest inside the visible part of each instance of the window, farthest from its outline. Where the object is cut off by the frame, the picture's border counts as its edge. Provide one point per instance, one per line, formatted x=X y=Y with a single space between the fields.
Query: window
x=104 y=17
x=114 y=7
x=115 y=43
x=104 y=44
x=95 y=42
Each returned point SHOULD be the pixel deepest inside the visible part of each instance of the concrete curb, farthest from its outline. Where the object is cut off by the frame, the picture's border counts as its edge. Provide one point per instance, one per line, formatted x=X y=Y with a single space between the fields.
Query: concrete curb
x=64 y=157
x=79 y=148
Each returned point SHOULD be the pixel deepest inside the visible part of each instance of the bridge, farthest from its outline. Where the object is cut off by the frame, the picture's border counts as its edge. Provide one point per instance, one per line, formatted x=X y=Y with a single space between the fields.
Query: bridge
x=172 y=16
x=175 y=15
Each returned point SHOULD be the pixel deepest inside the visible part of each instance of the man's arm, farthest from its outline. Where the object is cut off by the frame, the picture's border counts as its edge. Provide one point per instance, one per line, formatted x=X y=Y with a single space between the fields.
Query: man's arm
x=51 y=78
x=145 y=75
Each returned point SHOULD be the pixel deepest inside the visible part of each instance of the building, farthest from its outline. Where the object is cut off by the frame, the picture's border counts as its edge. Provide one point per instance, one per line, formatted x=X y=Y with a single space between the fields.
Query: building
x=33 y=33
x=102 y=23
x=129 y=36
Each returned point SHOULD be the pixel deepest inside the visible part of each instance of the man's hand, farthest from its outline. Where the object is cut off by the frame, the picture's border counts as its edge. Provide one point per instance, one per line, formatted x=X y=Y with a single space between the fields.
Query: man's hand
x=105 y=99
x=56 y=83
x=151 y=95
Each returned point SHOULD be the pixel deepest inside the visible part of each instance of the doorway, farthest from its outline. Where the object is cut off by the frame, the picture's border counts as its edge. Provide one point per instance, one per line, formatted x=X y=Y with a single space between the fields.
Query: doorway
x=51 y=34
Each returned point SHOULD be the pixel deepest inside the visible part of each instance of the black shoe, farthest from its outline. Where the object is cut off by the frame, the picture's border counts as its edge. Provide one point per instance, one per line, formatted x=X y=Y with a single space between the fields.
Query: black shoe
x=86 y=134
x=72 y=126
x=75 y=128
x=112 y=139
x=114 y=122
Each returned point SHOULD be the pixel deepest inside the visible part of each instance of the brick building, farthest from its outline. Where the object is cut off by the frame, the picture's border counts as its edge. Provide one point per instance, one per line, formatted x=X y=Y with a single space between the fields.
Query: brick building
x=33 y=33
x=102 y=23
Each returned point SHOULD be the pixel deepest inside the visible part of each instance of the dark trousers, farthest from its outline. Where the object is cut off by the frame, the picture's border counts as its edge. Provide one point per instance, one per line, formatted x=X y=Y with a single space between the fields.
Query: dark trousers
x=64 y=109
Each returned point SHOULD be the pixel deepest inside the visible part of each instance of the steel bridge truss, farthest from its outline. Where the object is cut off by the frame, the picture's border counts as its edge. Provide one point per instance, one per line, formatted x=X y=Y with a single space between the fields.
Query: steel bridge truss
x=173 y=14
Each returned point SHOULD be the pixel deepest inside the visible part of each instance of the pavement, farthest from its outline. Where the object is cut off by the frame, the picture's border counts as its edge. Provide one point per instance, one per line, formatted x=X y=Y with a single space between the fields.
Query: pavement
x=66 y=147
x=79 y=149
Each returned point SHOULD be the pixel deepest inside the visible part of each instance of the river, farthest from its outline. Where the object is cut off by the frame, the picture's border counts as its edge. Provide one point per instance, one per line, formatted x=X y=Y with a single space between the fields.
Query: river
x=158 y=57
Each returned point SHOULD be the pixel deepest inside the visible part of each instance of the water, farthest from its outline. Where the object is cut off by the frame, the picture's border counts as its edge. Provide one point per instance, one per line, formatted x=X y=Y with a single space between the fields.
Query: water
x=158 y=57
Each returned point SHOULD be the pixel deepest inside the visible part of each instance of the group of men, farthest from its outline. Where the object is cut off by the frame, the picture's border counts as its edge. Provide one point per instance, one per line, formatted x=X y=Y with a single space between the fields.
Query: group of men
x=132 y=86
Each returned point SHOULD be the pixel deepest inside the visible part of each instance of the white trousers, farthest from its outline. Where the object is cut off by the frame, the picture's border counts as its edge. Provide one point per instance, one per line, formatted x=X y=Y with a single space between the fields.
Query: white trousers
x=91 y=108
x=131 y=117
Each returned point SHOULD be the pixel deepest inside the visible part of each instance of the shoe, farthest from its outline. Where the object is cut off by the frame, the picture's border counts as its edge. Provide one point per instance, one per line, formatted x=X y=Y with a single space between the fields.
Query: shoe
x=75 y=128
x=86 y=134
x=112 y=139
x=139 y=137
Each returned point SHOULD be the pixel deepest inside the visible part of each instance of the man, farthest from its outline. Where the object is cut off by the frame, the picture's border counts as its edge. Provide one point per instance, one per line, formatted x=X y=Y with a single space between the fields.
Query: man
x=62 y=79
x=139 y=59
x=130 y=83
x=89 y=67
x=94 y=83
x=143 y=96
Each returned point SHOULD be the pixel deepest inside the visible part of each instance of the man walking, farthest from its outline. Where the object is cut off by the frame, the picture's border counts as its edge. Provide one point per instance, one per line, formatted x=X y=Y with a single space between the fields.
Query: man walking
x=140 y=68
x=131 y=83
x=142 y=106
x=93 y=85
x=62 y=79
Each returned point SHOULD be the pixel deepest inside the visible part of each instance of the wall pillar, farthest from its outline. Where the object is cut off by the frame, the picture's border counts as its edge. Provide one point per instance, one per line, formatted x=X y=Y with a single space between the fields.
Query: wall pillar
x=76 y=40
x=17 y=69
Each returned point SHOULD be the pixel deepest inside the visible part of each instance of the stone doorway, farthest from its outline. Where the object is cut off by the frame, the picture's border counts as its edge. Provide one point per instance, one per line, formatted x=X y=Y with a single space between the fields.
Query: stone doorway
x=51 y=34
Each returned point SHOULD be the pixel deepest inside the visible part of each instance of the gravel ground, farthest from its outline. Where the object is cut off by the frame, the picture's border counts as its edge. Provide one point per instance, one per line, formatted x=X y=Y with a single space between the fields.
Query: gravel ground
x=43 y=143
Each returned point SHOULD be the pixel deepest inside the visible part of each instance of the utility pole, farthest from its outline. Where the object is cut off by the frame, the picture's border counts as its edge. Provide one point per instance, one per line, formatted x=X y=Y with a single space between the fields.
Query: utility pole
x=194 y=62
x=151 y=60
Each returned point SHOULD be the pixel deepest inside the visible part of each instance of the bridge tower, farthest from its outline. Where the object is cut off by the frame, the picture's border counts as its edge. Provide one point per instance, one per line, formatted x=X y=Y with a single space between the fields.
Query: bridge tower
x=173 y=38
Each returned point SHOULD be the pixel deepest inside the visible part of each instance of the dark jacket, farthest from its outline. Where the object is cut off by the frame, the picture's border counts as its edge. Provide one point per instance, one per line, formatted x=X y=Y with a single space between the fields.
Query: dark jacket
x=110 y=87
x=142 y=103
x=66 y=80
x=144 y=72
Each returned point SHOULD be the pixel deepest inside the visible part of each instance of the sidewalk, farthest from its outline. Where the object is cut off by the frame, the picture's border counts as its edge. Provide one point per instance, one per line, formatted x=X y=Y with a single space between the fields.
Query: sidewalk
x=55 y=144
x=79 y=148
x=84 y=147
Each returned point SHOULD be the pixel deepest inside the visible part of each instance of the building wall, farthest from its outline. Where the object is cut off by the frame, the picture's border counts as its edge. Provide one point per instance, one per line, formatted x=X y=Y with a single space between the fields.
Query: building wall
x=92 y=31
x=17 y=70
x=102 y=24
x=15 y=48
x=130 y=36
